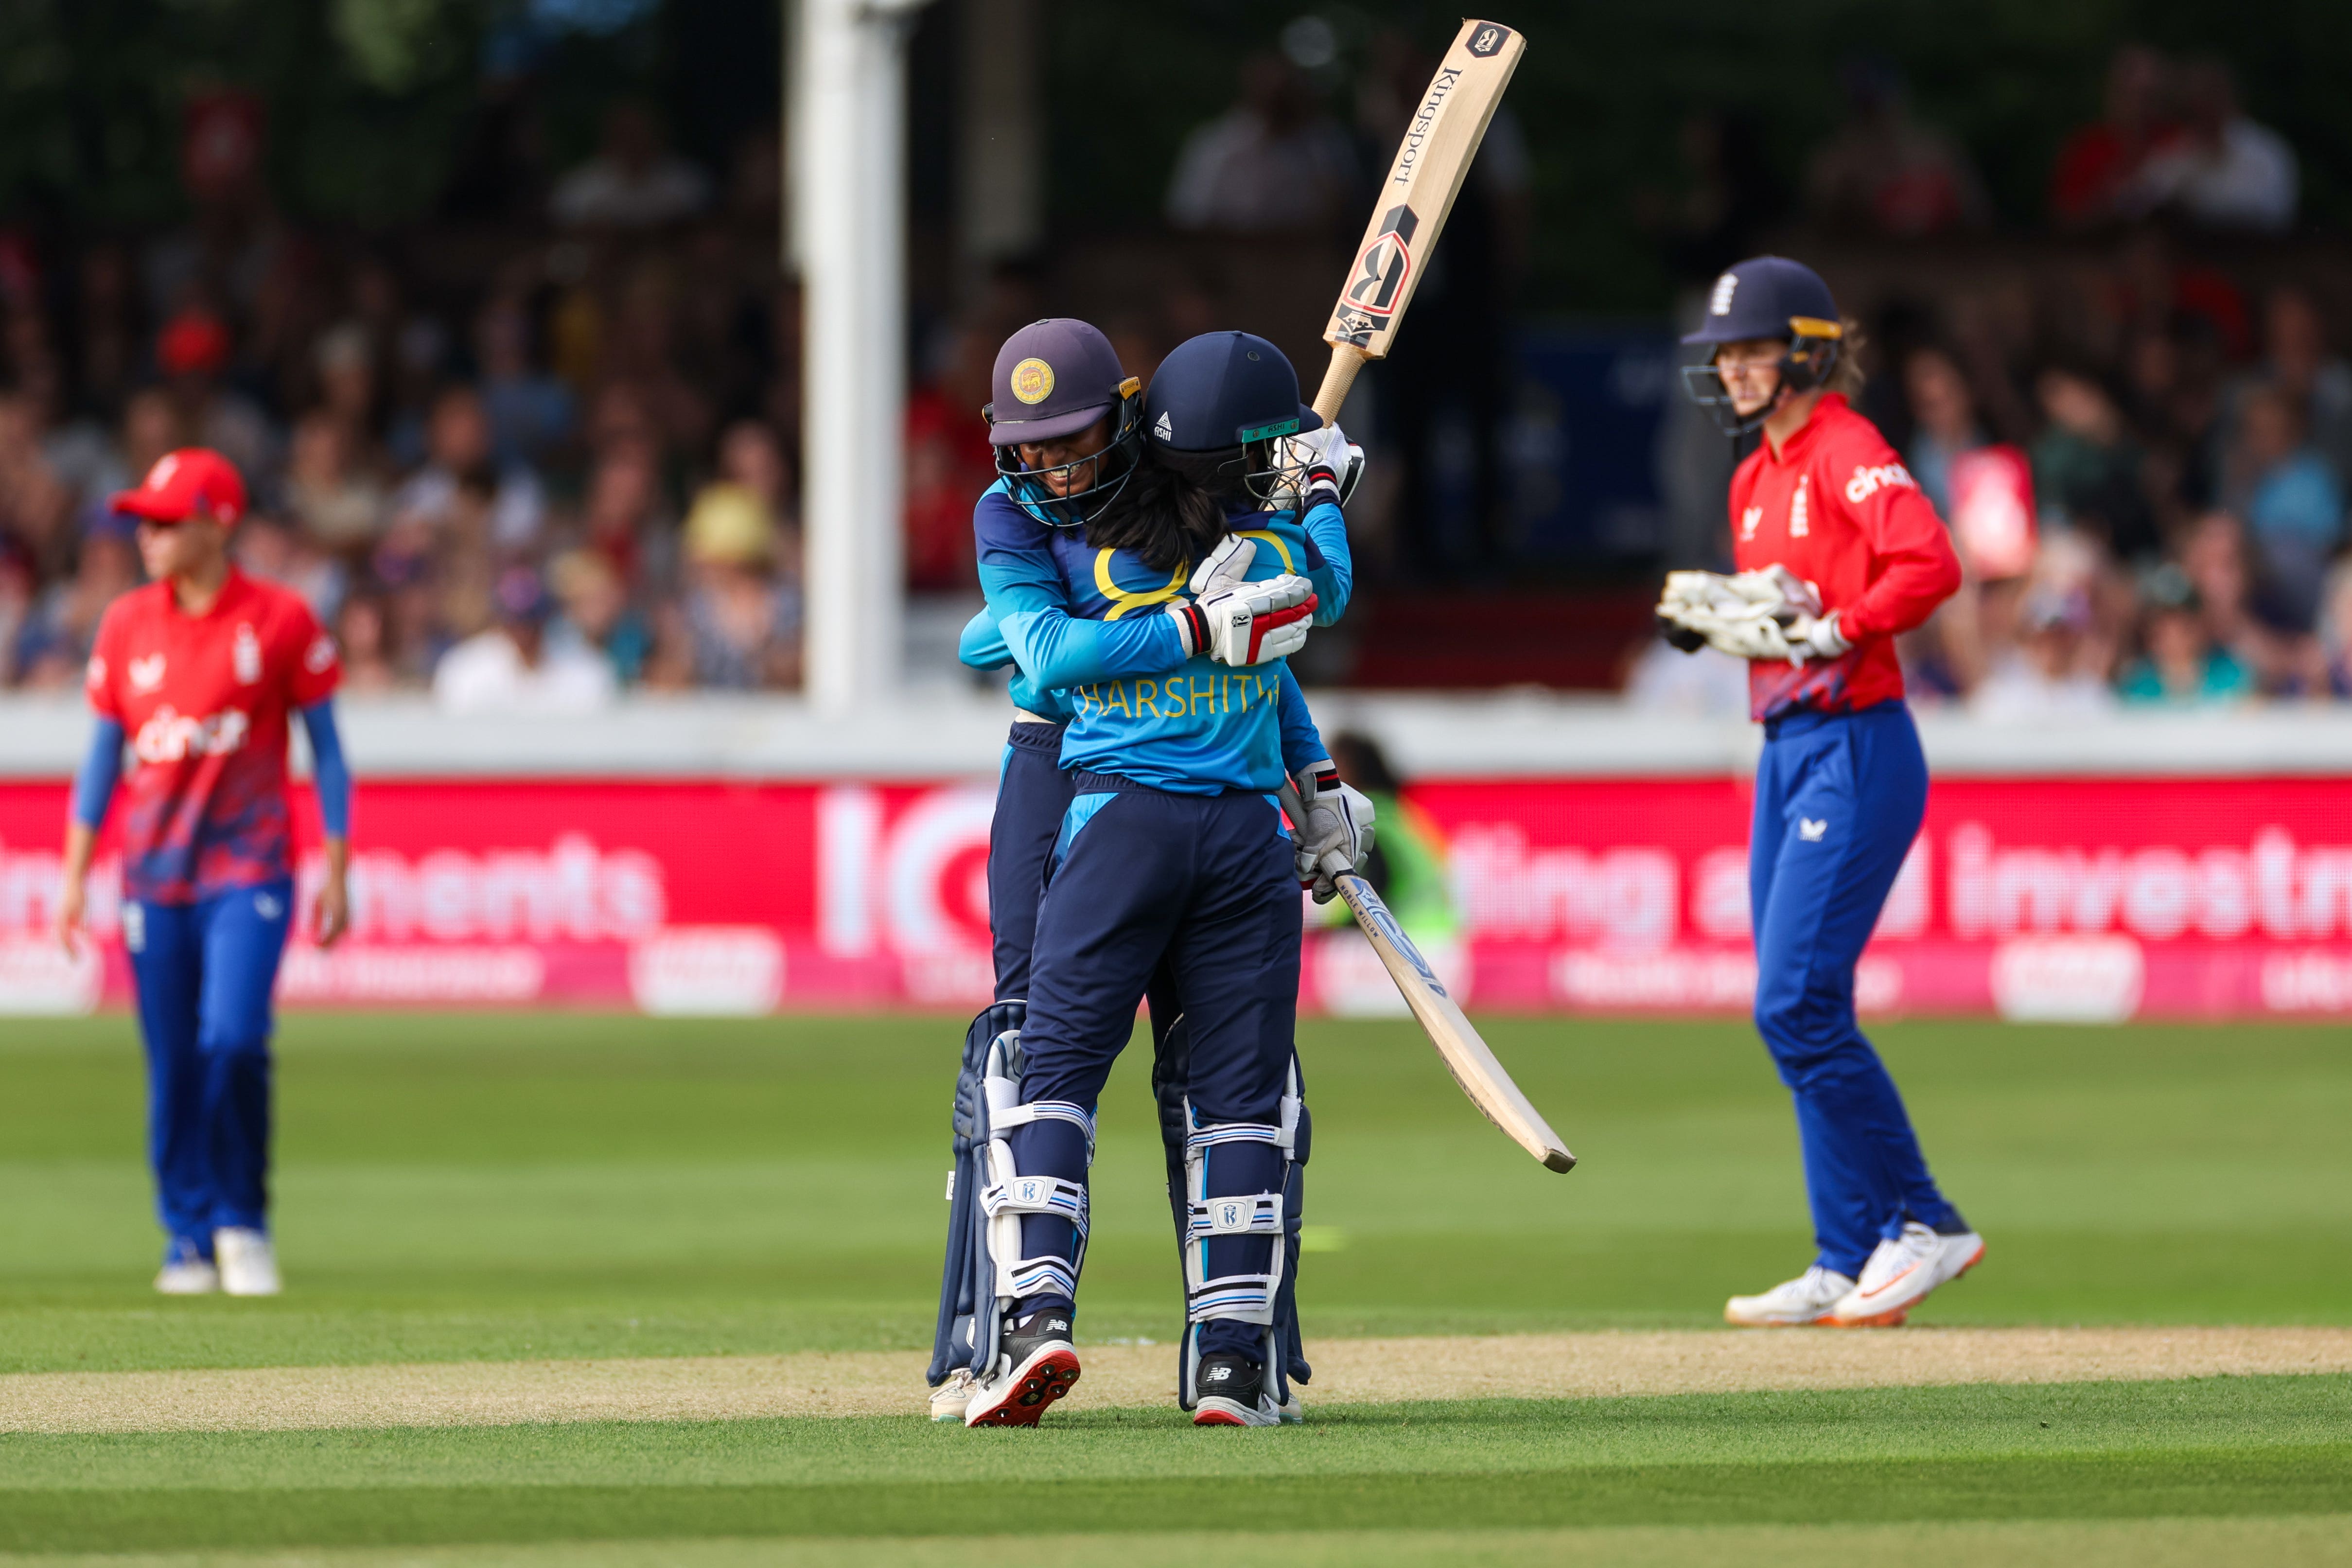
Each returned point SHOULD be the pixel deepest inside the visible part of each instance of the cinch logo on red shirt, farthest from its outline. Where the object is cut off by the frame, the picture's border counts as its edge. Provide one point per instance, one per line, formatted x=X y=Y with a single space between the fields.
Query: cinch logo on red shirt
x=1867 y=482
x=168 y=738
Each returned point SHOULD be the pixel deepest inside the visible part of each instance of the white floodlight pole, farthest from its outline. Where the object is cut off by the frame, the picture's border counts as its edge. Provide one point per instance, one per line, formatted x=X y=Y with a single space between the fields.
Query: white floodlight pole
x=848 y=224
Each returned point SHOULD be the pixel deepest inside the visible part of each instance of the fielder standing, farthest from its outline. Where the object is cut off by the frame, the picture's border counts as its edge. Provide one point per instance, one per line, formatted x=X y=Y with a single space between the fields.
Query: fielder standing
x=1838 y=553
x=199 y=670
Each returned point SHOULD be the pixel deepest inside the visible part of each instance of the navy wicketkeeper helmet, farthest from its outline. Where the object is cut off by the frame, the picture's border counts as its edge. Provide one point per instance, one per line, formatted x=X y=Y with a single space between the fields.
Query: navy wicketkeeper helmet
x=1766 y=297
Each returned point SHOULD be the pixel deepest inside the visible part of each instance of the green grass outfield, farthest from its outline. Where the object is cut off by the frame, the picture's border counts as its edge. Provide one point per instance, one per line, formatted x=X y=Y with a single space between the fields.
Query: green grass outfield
x=488 y=1187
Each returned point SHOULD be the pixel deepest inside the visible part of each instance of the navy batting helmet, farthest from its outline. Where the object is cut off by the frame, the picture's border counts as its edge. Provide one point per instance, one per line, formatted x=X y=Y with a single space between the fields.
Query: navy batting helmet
x=1218 y=409
x=1054 y=380
x=1766 y=297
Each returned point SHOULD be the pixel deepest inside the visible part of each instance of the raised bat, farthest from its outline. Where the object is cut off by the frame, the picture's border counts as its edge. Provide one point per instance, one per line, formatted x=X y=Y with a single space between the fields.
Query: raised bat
x=1422 y=180
x=1474 y=1066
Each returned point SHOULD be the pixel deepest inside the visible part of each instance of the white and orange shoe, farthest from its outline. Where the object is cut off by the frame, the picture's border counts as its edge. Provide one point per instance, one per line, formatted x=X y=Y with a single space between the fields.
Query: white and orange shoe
x=1901 y=1272
x=1041 y=1364
x=1793 y=1303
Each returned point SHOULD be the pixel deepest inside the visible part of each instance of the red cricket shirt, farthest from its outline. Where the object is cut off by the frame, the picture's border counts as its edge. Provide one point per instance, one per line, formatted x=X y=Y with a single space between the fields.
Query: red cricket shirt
x=1837 y=508
x=203 y=700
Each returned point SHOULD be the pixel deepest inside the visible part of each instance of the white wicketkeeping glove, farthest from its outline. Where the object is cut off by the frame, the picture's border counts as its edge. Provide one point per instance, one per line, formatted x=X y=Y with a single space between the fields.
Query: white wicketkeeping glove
x=1325 y=460
x=1771 y=613
x=1338 y=816
x=1238 y=622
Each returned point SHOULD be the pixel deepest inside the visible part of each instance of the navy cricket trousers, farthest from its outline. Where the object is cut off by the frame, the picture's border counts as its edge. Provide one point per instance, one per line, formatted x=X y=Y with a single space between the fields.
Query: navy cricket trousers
x=204 y=972
x=1839 y=798
x=1032 y=796
x=1204 y=884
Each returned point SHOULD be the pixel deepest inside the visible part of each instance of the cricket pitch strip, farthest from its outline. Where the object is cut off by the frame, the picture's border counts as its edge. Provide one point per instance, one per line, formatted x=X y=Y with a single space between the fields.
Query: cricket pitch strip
x=1347 y=1372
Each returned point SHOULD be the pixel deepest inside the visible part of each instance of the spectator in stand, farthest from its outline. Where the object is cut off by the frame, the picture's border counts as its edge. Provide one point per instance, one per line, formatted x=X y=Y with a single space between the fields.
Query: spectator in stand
x=2042 y=679
x=2298 y=362
x=531 y=413
x=623 y=520
x=2179 y=665
x=520 y=665
x=739 y=627
x=2222 y=171
x=633 y=183
x=53 y=644
x=16 y=606
x=36 y=506
x=1943 y=423
x=2290 y=499
x=193 y=352
x=458 y=453
x=340 y=508
x=751 y=456
x=2100 y=161
x=596 y=608
x=1273 y=163
x=2215 y=556
x=363 y=632
x=266 y=548
x=2086 y=466
x=344 y=358
x=948 y=464
x=1883 y=174
x=2327 y=657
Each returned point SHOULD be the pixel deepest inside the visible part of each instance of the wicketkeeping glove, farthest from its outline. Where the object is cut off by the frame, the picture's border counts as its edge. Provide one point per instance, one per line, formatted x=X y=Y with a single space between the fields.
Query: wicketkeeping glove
x=1771 y=613
x=1337 y=817
x=1242 y=622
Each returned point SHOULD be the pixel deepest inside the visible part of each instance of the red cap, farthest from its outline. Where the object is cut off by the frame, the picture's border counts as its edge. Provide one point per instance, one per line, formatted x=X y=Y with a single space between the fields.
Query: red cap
x=192 y=482
x=191 y=342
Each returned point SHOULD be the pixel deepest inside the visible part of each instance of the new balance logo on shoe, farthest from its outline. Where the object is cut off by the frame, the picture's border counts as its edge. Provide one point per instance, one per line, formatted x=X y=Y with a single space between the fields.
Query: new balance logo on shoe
x=1216 y=1374
x=1811 y=829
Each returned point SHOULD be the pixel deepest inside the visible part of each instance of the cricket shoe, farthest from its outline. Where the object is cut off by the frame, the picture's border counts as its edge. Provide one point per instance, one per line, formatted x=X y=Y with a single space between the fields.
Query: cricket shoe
x=1901 y=1272
x=1793 y=1303
x=186 y=1271
x=1043 y=1366
x=1233 y=1393
x=249 y=1264
x=950 y=1399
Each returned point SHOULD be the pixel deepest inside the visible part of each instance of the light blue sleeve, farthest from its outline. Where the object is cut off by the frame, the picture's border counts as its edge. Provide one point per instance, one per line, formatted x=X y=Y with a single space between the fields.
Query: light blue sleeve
x=329 y=772
x=1335 y=578
x=982 y=645
x=1055 y=649
x=101 y=770
x=1302 y=742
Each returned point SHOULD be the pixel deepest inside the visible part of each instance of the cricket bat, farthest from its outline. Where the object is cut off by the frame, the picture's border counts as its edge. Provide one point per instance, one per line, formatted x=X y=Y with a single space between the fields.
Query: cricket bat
x=1474 y=1066
x=1423 y=178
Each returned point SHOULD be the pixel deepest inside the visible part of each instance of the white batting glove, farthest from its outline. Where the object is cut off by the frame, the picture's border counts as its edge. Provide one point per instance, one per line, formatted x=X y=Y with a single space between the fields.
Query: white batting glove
x=1324 y=460
x=1770 y=614
x=1238 y=622
x=1339 y=817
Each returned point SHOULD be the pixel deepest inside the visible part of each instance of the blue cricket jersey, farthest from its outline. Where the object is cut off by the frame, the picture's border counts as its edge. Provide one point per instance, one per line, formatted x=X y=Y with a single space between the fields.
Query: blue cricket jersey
x=1089 y=623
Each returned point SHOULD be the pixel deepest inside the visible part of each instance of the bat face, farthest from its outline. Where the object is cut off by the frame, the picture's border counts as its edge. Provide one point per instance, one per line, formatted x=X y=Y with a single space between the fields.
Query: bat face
x=1439 y=144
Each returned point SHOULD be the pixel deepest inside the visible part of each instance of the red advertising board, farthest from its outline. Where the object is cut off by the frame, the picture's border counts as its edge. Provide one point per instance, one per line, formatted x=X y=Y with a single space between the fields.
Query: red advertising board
x=2034 y=897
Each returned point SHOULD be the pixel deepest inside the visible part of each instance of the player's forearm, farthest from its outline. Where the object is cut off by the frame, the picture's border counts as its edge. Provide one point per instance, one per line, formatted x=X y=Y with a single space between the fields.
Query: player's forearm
x=982 y=645
x=331 y=775
x=101 y=768
x=82 y=846
x=1057 y=650
x=1904 y=595
x=1335 y=579
x=1302 y=742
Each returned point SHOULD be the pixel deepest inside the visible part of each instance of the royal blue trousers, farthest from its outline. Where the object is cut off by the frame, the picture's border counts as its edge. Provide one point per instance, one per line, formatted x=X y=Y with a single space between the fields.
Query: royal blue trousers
x=1202 y=885
x=205 y=972
x=1839 y=798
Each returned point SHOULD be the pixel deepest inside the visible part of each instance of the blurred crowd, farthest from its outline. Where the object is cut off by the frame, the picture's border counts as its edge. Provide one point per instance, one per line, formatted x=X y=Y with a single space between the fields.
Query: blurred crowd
x=2145 y=457
x=563 y=469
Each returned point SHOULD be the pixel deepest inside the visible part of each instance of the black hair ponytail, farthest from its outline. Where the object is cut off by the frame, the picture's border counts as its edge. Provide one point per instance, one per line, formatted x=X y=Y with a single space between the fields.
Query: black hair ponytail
x=1163 y=516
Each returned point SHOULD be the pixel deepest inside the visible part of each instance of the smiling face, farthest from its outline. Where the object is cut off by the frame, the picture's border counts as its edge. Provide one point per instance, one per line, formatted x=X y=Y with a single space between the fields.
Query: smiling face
x=1061 y=464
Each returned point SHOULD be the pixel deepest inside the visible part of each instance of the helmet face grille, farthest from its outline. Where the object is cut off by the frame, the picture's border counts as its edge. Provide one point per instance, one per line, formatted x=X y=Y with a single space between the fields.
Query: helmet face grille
x=1092 y=482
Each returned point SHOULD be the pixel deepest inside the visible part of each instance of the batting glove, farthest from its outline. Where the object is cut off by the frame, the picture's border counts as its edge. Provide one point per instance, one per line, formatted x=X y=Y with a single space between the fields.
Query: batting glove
x=1339 y=817
x=1770 y=614
x=1242 y=623
x=1326 y=462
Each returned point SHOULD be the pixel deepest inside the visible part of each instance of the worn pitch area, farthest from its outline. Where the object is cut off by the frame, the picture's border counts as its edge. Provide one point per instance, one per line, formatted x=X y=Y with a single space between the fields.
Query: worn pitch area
x=1347 y=1372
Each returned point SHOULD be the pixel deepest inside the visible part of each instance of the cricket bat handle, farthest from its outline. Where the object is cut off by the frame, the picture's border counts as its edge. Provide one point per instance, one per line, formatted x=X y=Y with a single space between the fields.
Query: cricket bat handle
x=1294 y=808
x=1346 y=359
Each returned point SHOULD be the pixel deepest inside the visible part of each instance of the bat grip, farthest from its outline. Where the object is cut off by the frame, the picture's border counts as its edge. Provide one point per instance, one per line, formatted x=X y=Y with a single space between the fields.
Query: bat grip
x=1296 y=809
x=1346 y=359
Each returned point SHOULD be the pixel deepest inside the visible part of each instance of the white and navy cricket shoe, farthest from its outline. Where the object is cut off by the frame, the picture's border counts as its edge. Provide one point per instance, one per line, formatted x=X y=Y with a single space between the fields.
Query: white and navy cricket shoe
x=249 y=1264
x=1041 y=1366
x=1231 y=1393
x=1901 y=1272
x=186 y=1271
x=950 y=1399
x=1793 y=1303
